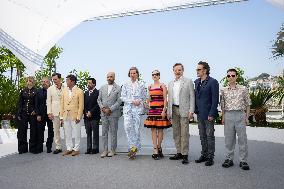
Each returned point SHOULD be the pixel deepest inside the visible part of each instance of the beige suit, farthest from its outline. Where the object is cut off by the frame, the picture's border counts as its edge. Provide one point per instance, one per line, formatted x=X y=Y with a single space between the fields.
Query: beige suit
x=179 y=113
x=53 y=107
x=72 y=105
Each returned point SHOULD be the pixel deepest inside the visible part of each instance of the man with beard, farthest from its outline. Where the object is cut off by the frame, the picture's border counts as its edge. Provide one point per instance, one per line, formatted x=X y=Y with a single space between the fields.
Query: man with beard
x=42 y=117
x=206 y=98
x=109 y=102
x=53 y=108
x=92 y=117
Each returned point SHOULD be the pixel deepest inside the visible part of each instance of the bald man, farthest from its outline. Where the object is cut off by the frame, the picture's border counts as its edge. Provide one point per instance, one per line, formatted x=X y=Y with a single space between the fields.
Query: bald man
x=109 y=102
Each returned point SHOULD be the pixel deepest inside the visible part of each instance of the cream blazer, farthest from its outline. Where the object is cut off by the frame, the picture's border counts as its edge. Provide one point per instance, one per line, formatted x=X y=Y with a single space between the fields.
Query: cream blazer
x=53 y=100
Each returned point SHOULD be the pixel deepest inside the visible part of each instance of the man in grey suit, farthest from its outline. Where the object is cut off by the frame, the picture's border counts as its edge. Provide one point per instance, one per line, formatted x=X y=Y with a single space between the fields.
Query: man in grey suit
x=109 y=102
x=181 y=103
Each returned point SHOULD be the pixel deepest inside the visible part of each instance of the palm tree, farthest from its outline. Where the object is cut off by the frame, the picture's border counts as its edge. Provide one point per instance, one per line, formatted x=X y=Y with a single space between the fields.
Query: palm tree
x=259 y=97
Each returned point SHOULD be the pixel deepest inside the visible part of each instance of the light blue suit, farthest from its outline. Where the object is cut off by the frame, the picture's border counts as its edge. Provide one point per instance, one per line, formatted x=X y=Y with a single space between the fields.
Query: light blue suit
x=132 y=113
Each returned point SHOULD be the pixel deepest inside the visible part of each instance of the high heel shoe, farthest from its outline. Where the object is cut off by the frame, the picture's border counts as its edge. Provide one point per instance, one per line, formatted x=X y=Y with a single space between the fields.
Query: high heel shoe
x=160 y=152
x=155 y=156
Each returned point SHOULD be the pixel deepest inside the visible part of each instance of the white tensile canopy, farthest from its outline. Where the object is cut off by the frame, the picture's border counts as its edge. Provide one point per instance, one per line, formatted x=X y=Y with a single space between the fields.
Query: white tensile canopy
x=29 y=28
x=279 y=3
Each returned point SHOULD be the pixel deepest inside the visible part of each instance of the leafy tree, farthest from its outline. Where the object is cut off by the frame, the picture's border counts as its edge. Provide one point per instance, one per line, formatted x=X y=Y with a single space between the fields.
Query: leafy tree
x=241 y=80
x=49 y=64
x=279 y=91
x=259 y=98
x=82 y=77
x=9 y=95
x=9 y=62
x=278 y=46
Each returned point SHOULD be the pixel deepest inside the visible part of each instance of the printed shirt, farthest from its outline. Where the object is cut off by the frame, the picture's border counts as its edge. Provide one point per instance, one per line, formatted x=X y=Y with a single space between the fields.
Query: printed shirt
x=235 y=99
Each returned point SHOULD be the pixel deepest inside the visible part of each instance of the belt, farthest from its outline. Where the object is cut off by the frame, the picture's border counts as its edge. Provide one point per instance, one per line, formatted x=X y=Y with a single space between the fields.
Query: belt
x=176 y=105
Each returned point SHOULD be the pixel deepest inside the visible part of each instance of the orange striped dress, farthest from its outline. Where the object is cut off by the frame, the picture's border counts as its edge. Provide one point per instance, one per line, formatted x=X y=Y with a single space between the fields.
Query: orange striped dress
x=154 y=119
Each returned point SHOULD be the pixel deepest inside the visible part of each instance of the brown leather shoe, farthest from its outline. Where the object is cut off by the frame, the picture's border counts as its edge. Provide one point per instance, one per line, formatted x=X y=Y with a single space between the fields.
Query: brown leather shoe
x=75 y=153
x=66 y=153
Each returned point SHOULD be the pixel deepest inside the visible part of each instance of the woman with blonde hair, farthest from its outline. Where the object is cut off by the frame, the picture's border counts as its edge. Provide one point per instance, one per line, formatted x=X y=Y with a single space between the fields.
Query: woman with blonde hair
x=27 y=114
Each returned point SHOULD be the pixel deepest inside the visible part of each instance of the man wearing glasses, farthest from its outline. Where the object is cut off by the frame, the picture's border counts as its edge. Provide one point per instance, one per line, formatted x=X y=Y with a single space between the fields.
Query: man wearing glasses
x=235 y=104
x=206 y=102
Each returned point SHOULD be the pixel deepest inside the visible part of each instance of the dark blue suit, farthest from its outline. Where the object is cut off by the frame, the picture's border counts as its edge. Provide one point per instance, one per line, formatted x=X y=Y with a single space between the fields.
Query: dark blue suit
x=206 y=103
x=92 y=123
x=41 y=110
x=206 y=98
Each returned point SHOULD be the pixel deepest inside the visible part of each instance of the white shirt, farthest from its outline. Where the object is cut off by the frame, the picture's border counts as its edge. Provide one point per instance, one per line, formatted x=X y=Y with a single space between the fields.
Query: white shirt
x=70 y=92
x=109 y=88
x=176 y=88
x=58 y=91
x=134 y=87
x=90 y=92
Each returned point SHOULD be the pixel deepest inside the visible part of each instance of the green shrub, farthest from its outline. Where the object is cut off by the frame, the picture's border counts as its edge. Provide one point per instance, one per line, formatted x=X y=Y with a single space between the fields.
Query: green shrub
x=9 y=95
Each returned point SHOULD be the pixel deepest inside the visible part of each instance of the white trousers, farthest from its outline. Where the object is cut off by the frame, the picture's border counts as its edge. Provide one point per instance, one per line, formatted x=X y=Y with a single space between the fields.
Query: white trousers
x=69 y=126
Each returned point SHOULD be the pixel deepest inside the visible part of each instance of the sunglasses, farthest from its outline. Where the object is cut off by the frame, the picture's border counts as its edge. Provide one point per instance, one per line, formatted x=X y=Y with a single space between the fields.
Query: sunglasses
x=156 y=74
x=228 y=76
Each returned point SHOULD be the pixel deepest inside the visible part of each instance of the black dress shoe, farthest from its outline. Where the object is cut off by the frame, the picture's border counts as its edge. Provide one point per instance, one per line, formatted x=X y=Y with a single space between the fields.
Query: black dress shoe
x=40 y=151
x=22 y=152
x=185 y=159
x=244 y=166
x=48 y=150
x=201 y=159
x=209 y=162
x=88 y=152
x=228 y=163
x=57 y=151
x=177 y=156
x=156 y=156
x=95 y=151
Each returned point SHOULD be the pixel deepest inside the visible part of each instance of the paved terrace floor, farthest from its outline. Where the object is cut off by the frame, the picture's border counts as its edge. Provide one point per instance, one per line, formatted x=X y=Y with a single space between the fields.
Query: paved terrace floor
x=29 y=171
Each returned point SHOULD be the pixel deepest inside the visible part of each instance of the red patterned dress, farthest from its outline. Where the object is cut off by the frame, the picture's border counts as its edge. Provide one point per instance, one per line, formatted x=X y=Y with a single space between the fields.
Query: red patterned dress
x=154 y=119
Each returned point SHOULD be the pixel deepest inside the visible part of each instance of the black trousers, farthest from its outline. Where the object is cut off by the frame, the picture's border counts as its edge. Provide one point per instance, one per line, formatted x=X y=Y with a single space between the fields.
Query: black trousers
x=92 y=130
x=22 y=133
x=40 y=134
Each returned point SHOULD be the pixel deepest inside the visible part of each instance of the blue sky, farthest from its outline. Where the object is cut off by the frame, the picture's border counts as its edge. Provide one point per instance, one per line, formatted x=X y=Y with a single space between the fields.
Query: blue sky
x=225 y=36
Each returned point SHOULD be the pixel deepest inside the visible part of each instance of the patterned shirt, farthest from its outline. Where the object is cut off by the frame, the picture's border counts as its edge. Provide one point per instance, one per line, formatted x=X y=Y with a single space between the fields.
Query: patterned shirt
x=235 y=99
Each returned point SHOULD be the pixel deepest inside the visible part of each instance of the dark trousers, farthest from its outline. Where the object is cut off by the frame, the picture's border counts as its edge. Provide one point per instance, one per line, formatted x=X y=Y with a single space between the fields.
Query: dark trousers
x=207 y=138
x=22 y=133
x=40 y=133
x=92 y=130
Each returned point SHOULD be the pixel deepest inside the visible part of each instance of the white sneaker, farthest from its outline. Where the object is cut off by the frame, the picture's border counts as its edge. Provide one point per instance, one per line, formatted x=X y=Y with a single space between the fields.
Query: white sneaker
x=104 y=154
